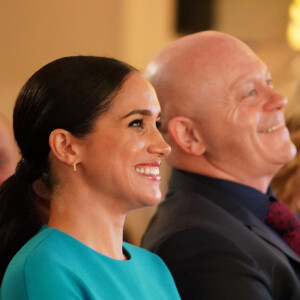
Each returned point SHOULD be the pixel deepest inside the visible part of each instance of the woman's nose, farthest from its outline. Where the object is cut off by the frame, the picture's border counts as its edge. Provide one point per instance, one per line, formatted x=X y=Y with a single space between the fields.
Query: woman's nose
x=159 y=146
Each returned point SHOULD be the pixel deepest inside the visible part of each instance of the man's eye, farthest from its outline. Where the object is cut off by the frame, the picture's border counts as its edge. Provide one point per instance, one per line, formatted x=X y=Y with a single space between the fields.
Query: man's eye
x=251 y=93
x=136 y=123
x=269 y=82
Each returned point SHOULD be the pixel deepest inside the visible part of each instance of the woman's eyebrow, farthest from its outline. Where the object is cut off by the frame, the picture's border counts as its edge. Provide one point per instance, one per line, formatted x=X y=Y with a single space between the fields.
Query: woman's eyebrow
x=144 y=112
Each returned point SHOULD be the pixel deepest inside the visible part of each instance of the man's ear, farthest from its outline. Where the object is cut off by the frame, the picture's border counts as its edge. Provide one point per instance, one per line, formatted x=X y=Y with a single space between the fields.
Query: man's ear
x=64 y=147
x=186 y=135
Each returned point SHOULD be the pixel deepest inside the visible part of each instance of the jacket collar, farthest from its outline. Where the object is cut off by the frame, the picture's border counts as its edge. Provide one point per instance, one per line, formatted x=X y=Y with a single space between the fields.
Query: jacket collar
x=246 y=204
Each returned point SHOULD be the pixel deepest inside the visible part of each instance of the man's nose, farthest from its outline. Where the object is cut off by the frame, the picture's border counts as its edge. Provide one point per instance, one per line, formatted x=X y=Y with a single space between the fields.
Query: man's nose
x=275 y=101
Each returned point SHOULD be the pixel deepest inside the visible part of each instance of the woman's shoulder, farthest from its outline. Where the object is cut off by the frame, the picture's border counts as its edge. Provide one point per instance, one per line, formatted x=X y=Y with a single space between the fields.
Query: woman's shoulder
x=47 y=248
x=30 y=257
x=37 y=246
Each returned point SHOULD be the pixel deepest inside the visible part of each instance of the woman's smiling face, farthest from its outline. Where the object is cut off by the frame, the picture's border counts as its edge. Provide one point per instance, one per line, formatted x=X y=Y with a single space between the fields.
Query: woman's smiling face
x=122 y=155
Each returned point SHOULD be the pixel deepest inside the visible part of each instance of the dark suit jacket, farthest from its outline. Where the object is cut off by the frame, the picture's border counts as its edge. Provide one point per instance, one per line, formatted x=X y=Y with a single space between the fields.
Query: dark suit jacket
x=217 y=249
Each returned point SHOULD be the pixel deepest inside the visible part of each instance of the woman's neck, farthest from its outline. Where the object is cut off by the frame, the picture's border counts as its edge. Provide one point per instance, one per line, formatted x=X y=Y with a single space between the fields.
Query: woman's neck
x=90 y=221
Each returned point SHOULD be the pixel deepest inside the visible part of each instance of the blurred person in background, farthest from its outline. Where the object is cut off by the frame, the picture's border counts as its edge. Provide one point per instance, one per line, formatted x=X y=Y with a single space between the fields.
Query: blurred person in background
x=8 y=150
x=286 y=183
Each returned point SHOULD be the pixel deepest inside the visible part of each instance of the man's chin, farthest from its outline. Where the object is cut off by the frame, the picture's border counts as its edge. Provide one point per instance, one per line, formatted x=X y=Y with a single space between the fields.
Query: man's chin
x=288 y=153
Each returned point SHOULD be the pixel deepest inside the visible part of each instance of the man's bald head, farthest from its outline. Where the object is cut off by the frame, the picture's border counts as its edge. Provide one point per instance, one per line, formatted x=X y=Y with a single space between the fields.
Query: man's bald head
x=220 y=112
x=8 y=150
x=188 y=65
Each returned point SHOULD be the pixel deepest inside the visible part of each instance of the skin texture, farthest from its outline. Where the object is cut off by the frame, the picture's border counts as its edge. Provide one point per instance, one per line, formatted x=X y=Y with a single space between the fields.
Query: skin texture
x=106 y=185
x=8 y=151
x=221 y=113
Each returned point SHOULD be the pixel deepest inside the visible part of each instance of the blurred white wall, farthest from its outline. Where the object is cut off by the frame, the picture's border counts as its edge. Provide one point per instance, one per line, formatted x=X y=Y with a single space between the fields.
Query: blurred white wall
x=35 y=32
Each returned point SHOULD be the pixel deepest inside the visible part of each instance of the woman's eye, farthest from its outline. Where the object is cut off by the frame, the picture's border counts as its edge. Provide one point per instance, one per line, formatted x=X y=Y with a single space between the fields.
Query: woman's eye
x=158 y=124
x=136 y=123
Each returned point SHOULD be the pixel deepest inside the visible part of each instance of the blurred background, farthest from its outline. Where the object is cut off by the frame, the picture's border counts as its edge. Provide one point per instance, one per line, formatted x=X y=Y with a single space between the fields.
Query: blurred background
x=35 y=32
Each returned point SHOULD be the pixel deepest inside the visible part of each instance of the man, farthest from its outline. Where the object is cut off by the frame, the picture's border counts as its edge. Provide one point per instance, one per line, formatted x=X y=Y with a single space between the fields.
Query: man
x=225 y=124
x=8 y=150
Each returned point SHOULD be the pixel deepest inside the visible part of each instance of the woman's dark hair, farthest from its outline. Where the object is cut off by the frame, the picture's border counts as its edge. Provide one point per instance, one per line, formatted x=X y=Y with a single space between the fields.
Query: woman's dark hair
x=68 y=93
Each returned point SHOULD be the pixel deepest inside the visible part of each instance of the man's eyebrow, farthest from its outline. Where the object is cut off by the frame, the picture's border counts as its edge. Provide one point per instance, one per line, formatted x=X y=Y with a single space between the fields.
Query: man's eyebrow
x=268 y=73
x=239 y=82
x=144 y=112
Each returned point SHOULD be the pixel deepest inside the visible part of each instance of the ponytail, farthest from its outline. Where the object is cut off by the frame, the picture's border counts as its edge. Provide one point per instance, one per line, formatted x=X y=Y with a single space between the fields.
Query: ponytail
x=19 y=216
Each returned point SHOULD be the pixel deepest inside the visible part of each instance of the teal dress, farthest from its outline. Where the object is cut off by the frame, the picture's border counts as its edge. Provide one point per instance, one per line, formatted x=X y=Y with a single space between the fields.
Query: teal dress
x=54 y=265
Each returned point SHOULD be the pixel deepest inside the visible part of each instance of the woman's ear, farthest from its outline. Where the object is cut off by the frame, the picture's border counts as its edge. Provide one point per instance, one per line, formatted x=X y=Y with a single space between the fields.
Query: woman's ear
x=186 y=135
x=64 y=146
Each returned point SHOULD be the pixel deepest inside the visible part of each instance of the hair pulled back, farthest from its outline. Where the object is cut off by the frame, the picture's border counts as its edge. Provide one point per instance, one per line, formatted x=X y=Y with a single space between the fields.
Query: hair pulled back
x=68 y=93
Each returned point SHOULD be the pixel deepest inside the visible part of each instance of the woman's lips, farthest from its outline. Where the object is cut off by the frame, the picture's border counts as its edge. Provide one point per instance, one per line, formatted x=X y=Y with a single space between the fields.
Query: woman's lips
x=149 y=170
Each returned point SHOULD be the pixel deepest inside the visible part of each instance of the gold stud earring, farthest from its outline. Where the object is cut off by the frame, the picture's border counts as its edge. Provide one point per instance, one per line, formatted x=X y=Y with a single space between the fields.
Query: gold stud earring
x=74 y=166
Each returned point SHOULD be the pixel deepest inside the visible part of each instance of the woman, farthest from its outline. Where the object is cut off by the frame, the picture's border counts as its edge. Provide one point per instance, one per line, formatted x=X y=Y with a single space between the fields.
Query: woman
x=87 y=131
